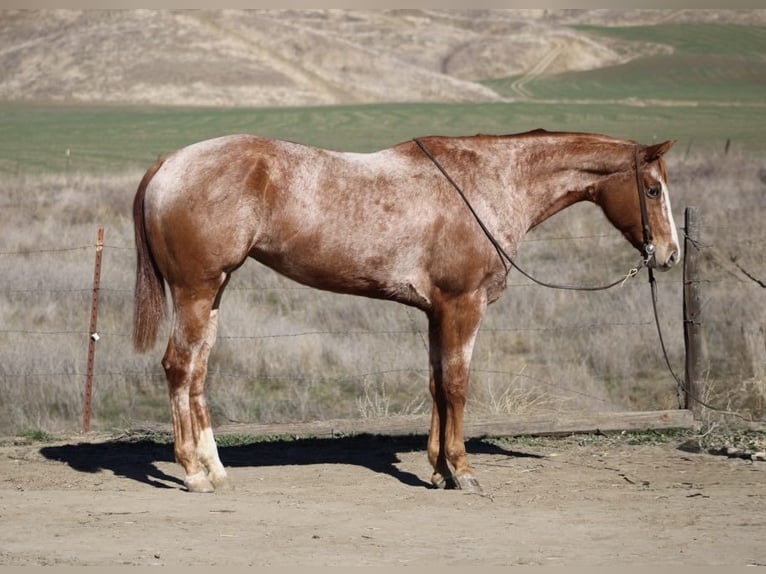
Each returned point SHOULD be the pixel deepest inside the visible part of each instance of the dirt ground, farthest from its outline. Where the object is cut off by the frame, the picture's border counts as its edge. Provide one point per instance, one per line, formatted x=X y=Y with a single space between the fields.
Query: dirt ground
x=98 y=500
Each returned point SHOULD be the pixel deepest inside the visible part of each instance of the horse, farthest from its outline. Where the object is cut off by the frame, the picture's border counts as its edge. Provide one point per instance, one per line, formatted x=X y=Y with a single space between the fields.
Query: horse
x=389 y=224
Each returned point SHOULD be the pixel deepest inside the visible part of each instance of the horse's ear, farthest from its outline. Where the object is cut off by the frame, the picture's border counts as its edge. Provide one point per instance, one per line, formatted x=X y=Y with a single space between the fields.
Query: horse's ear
x=653 y=152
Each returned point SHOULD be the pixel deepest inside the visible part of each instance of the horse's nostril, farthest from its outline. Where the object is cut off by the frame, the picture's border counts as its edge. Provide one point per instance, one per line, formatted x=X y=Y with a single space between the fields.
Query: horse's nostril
x=674 y=257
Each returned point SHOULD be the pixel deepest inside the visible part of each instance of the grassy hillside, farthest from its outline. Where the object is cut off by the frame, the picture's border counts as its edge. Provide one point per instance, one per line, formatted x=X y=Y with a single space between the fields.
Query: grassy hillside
x=249 y=58
x=708 y=63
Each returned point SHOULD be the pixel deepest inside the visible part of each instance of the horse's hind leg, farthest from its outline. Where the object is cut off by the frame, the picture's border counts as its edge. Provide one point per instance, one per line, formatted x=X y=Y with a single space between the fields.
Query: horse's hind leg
x=185 y=363
x=207 y=451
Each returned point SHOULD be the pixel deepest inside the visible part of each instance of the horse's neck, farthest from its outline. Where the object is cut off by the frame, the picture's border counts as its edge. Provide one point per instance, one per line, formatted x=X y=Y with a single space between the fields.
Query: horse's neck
x=548 y=200
x=558 y=174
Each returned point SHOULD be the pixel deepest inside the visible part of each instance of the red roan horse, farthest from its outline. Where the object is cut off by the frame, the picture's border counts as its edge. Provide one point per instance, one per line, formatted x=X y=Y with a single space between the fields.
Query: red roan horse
x=386 y=225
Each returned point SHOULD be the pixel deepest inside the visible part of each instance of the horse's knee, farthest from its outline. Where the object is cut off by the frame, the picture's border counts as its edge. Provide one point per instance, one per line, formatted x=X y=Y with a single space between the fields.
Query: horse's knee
x=456 y=385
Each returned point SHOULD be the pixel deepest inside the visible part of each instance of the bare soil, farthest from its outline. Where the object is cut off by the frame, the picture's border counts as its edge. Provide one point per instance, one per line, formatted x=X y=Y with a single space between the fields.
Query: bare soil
x=97 y=500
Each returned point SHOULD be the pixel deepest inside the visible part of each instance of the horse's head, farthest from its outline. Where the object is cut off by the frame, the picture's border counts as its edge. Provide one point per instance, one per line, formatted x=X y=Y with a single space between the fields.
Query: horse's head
x=639 y=206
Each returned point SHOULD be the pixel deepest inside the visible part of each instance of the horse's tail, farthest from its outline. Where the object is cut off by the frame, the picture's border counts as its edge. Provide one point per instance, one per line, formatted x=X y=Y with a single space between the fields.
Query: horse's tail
x=149 y=306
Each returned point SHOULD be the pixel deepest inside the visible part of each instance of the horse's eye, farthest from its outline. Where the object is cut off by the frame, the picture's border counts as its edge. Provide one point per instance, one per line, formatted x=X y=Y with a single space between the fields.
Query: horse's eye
x=653 y=191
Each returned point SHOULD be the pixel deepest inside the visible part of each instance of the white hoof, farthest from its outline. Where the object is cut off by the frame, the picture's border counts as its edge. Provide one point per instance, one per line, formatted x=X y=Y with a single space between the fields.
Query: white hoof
x=220 y=481
x=198 y=483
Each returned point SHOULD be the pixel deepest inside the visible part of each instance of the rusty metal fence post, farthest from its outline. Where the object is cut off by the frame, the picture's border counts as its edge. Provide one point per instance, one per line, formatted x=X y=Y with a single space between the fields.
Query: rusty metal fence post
x=93 y=332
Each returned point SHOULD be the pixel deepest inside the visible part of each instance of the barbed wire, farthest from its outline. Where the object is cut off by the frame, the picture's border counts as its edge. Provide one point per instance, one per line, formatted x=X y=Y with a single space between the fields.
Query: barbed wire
x=220 y=375
x=117 y=290
x=46 y=250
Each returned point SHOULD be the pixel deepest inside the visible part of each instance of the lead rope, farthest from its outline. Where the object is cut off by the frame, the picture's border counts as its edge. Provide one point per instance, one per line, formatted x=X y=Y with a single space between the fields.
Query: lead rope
x=632 y=272
x=681 y=384
x=648 y=254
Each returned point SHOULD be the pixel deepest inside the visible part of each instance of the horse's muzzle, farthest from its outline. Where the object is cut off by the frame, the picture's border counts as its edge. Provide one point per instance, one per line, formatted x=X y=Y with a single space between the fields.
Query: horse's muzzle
x=664 y=259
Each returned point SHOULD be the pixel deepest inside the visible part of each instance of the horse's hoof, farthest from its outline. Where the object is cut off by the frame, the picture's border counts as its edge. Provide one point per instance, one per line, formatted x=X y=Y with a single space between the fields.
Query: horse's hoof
x=439 y=481
x=221 y=483
x=198 y=483
x=468 y=483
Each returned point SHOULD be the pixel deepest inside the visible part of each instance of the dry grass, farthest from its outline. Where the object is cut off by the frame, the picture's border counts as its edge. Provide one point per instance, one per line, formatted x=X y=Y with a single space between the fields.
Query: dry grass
x=305 y=57
x=290 y=353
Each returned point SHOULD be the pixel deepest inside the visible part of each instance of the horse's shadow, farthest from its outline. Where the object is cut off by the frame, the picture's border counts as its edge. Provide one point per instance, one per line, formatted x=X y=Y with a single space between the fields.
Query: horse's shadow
x=137 y=459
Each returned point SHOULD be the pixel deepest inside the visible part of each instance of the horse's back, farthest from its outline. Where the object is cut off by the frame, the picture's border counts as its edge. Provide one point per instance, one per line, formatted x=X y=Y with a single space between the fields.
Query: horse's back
x=381 y=224
x=203 y=167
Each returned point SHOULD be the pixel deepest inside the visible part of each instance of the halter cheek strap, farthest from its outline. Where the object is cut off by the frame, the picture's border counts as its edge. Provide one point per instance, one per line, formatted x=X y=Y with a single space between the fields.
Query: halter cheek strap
x=648 y=246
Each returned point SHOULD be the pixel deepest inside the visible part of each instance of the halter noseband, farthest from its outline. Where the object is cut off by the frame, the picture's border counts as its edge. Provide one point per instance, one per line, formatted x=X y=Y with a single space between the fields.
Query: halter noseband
x=648 y=248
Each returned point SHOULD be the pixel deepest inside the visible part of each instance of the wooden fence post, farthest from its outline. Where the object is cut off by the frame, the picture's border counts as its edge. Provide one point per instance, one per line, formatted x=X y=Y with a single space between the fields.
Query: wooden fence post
x=93 y=333
x=693 y=342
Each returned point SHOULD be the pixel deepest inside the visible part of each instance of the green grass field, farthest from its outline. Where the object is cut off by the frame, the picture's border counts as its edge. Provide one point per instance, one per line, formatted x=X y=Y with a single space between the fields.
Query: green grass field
x=713 y=86
x=113 y=139
x=708 y=63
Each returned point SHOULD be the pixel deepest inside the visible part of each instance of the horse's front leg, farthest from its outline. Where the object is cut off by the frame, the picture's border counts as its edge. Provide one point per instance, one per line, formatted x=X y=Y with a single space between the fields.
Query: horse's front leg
x=436 y=455
x=453 y=325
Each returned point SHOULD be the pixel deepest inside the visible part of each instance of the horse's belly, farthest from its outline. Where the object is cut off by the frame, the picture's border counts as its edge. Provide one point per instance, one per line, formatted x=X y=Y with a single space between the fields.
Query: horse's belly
x=378 y=274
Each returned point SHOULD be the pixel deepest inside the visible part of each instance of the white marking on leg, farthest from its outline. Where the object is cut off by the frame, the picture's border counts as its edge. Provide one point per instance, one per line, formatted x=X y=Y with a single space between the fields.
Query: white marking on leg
x=207 y=452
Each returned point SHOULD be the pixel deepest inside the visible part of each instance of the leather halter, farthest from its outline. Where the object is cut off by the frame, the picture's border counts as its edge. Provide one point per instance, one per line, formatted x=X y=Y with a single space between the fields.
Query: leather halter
x=648 y=248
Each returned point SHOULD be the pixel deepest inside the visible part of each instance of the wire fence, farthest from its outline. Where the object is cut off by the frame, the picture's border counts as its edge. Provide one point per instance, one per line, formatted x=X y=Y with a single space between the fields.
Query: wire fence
x=286 y=352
